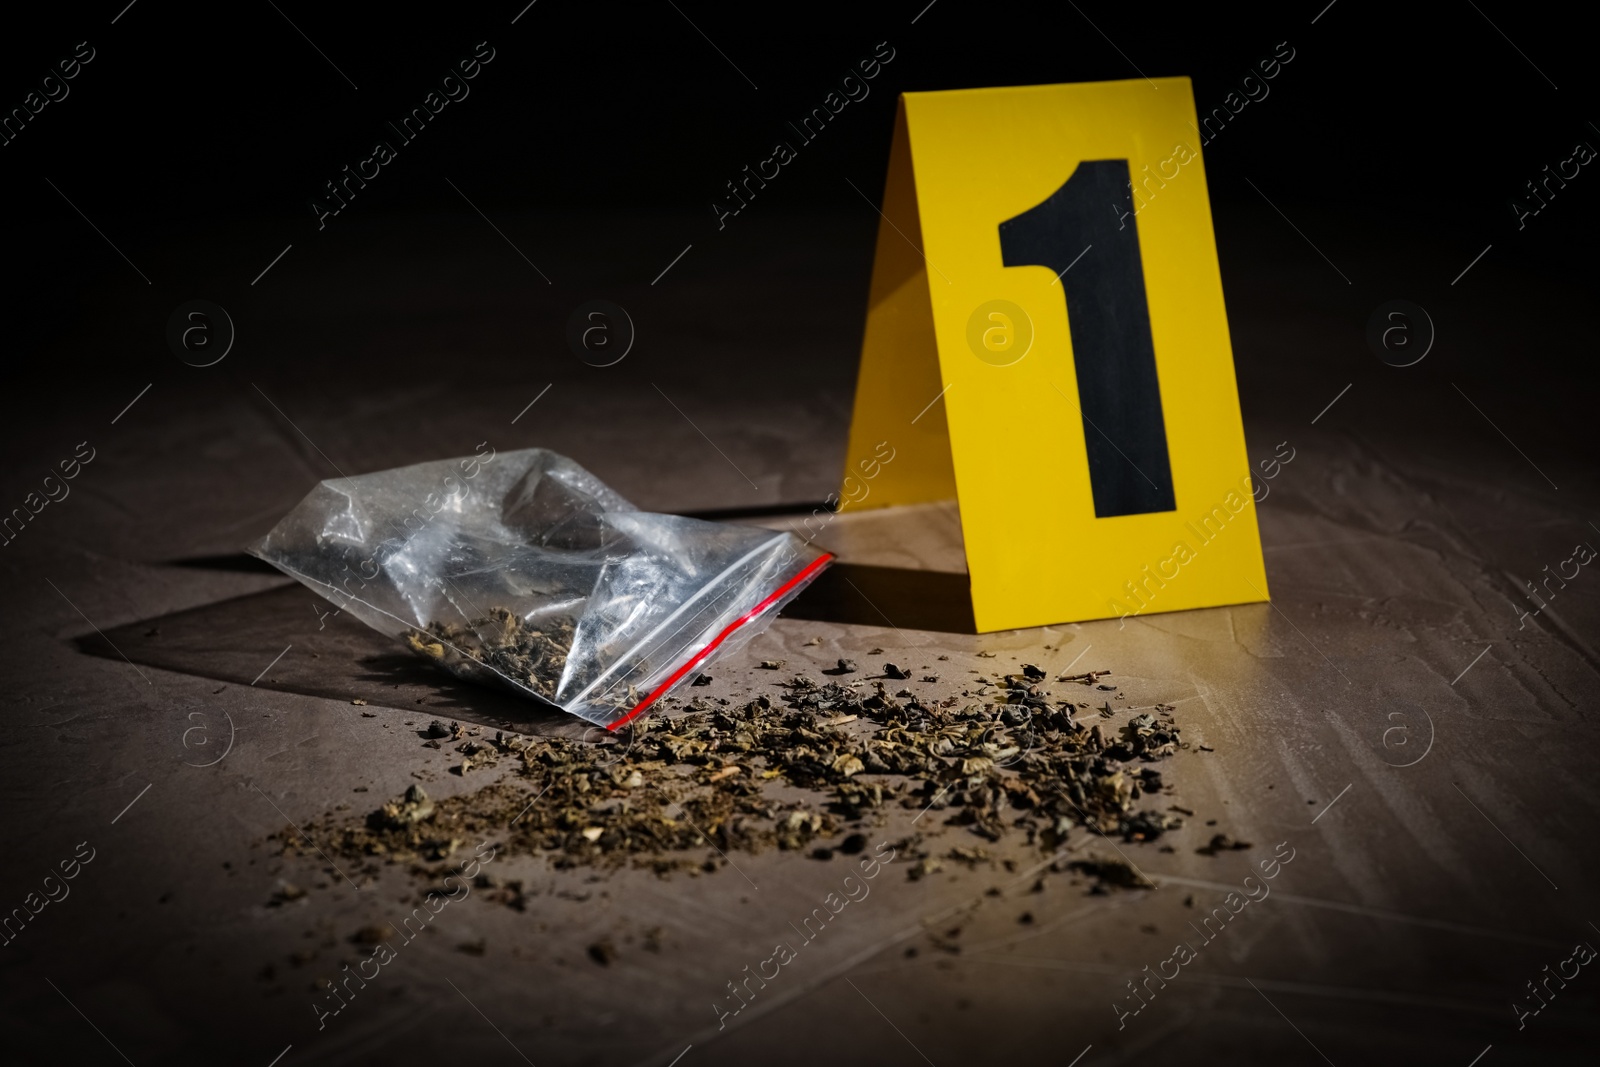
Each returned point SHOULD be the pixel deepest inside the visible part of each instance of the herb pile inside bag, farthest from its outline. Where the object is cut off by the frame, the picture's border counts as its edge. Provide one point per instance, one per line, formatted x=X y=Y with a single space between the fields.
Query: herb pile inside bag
x=525 y=570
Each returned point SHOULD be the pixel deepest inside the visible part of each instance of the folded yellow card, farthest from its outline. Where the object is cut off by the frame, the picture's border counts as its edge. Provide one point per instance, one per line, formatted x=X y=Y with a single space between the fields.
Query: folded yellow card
x=1046 y=342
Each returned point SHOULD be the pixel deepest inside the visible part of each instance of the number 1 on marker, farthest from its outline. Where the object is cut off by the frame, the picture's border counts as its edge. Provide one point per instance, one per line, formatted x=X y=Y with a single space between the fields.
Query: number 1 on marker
x=1085 y=232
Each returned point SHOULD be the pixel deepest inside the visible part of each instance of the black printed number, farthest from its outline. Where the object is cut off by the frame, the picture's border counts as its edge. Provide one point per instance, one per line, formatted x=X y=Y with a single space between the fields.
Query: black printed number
x=1107 y=313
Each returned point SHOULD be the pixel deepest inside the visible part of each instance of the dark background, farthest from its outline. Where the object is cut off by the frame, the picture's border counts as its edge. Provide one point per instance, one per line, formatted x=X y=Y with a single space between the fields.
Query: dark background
x=197 y=137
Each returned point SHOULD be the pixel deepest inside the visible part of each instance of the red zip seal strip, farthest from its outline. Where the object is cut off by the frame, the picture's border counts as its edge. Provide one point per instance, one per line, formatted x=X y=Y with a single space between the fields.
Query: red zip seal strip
x=810 y=569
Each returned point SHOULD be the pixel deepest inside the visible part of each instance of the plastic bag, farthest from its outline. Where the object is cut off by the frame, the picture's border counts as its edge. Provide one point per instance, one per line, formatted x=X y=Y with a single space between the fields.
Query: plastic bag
x=524 y=570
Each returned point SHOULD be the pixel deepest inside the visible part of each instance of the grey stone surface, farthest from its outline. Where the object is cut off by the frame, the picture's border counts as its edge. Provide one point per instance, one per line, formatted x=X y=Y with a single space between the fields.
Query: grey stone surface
x=1419 y=902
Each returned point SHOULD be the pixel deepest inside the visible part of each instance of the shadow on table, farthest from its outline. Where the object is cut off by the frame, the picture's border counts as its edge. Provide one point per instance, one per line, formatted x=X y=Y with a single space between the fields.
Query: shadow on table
x=285 y=639
x=860 y=595
x=236 y=641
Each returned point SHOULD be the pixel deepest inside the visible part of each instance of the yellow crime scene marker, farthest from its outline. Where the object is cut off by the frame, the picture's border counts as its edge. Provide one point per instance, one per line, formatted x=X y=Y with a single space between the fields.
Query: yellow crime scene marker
x=1046 y=343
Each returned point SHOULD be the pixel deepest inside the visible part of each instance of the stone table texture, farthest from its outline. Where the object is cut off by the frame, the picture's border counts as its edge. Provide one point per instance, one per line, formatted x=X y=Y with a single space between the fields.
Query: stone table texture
x=1422 y=752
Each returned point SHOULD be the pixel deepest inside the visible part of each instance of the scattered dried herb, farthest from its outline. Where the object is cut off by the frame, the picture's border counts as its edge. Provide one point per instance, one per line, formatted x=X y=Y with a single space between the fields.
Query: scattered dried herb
x=687 y=787
x=1119 y=874
x=286 y=892
x=1221 y=843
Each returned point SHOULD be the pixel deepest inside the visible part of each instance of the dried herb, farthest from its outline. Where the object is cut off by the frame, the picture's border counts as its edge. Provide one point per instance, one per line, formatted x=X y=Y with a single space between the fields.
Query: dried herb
x=1115 y=873
x=686 y=787
x=532 y=657
x=1221 y=843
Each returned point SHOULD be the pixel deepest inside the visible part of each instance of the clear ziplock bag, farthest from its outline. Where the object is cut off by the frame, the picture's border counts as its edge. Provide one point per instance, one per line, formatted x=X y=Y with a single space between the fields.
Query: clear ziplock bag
x=524 y=570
